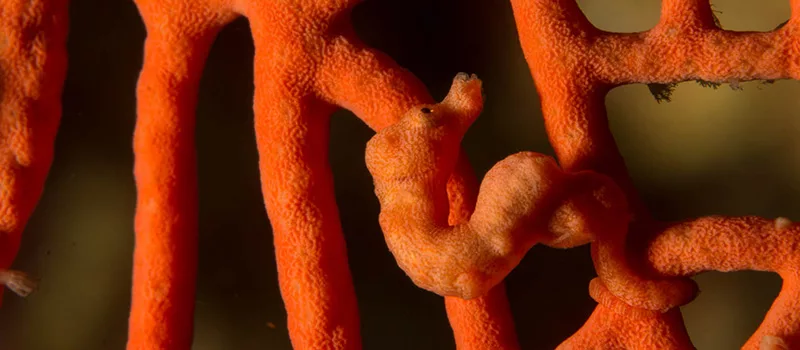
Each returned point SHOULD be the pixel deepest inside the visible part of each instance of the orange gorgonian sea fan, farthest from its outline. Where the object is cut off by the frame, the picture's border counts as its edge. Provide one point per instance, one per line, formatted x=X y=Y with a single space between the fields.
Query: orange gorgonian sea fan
x=447 y=236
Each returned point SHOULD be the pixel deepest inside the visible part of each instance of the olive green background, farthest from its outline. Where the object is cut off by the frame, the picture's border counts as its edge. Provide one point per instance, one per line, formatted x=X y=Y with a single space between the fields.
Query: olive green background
x=707 y=152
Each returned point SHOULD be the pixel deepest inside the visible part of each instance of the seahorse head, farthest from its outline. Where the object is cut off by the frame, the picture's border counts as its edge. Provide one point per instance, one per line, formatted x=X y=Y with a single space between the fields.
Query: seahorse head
x=425 y=142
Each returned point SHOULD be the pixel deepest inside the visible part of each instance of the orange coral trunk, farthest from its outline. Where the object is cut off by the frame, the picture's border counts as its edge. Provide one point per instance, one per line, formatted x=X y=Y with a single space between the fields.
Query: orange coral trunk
x=165 y=255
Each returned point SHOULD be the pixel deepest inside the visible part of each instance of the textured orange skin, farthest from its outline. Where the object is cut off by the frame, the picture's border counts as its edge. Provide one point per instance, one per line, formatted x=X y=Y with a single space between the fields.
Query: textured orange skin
x=523 y=200
x=485 y=322
x=574 y=65
x=308 y=62
x=33 y=64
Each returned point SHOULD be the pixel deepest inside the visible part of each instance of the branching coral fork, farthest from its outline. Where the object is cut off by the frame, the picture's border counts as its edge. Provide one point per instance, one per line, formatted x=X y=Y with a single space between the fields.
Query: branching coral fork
x=308 y=61
x=33 y=64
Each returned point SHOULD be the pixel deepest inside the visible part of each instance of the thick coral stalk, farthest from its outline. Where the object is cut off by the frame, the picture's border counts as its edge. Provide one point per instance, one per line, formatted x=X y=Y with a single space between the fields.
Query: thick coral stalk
x=165 y=255
x=33 y=64
x=483 y=323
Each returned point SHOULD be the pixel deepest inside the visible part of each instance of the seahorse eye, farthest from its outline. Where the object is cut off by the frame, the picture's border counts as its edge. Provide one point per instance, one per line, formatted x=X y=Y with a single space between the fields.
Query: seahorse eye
x=426 y=110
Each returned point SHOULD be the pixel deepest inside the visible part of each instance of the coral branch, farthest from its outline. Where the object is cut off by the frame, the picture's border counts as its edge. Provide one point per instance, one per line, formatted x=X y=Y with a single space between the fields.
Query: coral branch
x=368 y=83
x=483 y=323
x=292 y=137
x=165 y=255
x=738 y=243
x=658 y=56
x=33 y=65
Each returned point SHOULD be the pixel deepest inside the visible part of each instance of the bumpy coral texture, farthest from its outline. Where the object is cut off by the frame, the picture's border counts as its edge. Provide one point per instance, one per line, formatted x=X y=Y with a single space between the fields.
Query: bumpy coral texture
x=33 y=64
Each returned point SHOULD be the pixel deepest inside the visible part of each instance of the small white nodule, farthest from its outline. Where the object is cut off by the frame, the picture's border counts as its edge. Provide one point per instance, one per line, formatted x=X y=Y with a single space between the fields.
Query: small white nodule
x=18 y=281
x=771 y=342
x=782 y=223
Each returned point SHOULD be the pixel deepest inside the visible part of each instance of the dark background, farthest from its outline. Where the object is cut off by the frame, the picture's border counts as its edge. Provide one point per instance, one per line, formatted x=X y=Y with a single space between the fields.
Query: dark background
x=707 y=152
